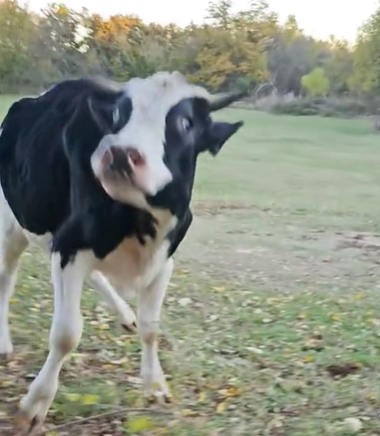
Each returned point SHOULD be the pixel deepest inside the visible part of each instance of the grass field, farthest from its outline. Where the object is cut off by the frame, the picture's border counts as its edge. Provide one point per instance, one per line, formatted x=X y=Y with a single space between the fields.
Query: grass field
x=271 y=325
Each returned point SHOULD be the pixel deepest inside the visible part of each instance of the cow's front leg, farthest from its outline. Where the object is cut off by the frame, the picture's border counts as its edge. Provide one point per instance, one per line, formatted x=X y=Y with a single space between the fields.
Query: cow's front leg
x=65 y=335
x=148 y=316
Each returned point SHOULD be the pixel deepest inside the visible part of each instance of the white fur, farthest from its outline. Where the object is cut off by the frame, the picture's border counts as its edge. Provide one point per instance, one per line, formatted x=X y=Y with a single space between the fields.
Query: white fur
x=12 y=244
x=152 y=98
x=125 y=314
x=65 y=334
x=150 y=301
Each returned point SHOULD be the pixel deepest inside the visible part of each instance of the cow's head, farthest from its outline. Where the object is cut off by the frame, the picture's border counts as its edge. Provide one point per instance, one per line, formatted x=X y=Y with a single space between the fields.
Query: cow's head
x=161 y=122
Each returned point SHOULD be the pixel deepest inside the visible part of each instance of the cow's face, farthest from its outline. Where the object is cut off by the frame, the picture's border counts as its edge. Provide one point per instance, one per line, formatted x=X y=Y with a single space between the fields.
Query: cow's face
x=190 y=130
x=160 y=124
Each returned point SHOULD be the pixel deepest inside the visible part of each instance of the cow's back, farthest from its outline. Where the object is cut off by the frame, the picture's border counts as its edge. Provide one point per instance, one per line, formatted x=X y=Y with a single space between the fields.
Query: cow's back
x=34 y=172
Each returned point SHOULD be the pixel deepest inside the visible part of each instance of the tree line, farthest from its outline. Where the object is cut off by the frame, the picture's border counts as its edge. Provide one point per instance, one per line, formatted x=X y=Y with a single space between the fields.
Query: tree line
x=249 y=49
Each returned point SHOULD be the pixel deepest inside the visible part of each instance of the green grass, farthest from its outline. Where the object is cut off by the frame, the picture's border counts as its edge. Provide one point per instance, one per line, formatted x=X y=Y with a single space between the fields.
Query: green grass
x=281 y=333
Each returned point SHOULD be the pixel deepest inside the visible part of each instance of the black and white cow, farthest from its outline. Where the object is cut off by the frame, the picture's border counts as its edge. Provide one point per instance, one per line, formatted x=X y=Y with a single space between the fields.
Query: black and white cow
x=101 y=176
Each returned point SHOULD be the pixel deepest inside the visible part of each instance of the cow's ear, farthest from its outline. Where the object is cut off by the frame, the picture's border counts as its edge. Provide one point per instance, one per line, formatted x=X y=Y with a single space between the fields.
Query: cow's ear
x=218 y=134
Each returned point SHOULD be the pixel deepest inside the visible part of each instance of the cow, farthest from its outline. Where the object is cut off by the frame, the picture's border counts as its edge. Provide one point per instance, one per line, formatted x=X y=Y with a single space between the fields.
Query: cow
x=100 y=175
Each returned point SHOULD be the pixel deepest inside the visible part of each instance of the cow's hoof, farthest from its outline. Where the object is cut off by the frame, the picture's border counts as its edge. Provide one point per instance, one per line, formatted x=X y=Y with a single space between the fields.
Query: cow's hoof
x=156 y=390
x=27 y=426
x=127 y=318
x=130 y=328
x=31 y=415
x=6 y=348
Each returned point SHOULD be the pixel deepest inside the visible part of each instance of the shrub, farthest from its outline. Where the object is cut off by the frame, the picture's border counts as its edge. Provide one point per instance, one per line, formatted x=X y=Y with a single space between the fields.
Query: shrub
x=332 y=106
x=316 y=83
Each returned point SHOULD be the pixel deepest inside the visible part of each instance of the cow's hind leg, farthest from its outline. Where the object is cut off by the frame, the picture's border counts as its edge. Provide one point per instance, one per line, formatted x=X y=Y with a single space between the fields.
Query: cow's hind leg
x=12 y=243
x=124 y=312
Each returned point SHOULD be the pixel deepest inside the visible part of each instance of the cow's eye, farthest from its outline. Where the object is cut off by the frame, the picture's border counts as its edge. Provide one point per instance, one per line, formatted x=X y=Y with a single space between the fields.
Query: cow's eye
x=186 y=124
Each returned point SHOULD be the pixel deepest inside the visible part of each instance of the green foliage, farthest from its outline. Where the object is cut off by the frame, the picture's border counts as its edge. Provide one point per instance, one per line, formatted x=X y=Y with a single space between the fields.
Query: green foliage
x=232 y=50
x=366 y=75
x=316 y=83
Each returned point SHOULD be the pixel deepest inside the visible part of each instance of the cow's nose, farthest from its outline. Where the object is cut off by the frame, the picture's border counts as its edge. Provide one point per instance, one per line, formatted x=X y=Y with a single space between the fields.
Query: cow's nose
x=125 y=160
x=135 y=157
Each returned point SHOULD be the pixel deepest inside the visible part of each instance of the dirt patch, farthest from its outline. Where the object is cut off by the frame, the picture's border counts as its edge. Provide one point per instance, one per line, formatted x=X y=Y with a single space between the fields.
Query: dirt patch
x=207 y=208
x=363 y=241
x=253 y=247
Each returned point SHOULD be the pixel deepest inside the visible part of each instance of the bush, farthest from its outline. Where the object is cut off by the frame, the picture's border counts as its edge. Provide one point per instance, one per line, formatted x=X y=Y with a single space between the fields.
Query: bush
x=332 y=106
x=316 y=83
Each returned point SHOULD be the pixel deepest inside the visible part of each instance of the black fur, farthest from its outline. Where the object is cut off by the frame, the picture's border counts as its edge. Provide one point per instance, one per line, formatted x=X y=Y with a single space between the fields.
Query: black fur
x=45 y=148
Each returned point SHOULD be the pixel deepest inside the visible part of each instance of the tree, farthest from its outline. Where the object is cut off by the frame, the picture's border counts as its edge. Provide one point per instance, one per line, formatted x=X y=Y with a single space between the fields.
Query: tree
x=366 y=58
x=316 y=83
x=232 y=50
x=338 y=65
x=220 y=13
x=17 y=31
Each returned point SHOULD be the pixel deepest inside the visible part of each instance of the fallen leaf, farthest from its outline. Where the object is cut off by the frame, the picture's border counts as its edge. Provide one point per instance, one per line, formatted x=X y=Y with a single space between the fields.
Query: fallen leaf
x=134 y=380
x=201 y=397
x=218 y=288
x=184 y=301
x=189 y=412
x=272 y=300
x=313 y=344
x=352 y=425
x=372 y=397
x=230 y=392
x=182 y=273
x=138 y=424
x=255 y=350
x=267 y=320
x=221 y=408
x=276 y=422
x=72 y=397
x=308 y=359
x=88 y=400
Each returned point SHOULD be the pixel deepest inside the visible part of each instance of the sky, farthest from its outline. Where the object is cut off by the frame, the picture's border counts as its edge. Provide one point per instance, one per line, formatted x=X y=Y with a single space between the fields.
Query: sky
x=317 y=18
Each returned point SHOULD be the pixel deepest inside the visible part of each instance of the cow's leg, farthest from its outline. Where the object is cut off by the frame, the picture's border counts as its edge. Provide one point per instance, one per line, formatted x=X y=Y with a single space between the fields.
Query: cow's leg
x=65 y=335
x=124 y=312
x=148 y=316
x=12 y=244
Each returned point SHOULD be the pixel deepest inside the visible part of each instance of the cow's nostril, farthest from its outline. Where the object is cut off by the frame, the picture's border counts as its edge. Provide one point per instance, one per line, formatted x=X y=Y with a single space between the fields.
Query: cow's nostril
x=135 y=157
x=107 y=158
x=120 y=162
